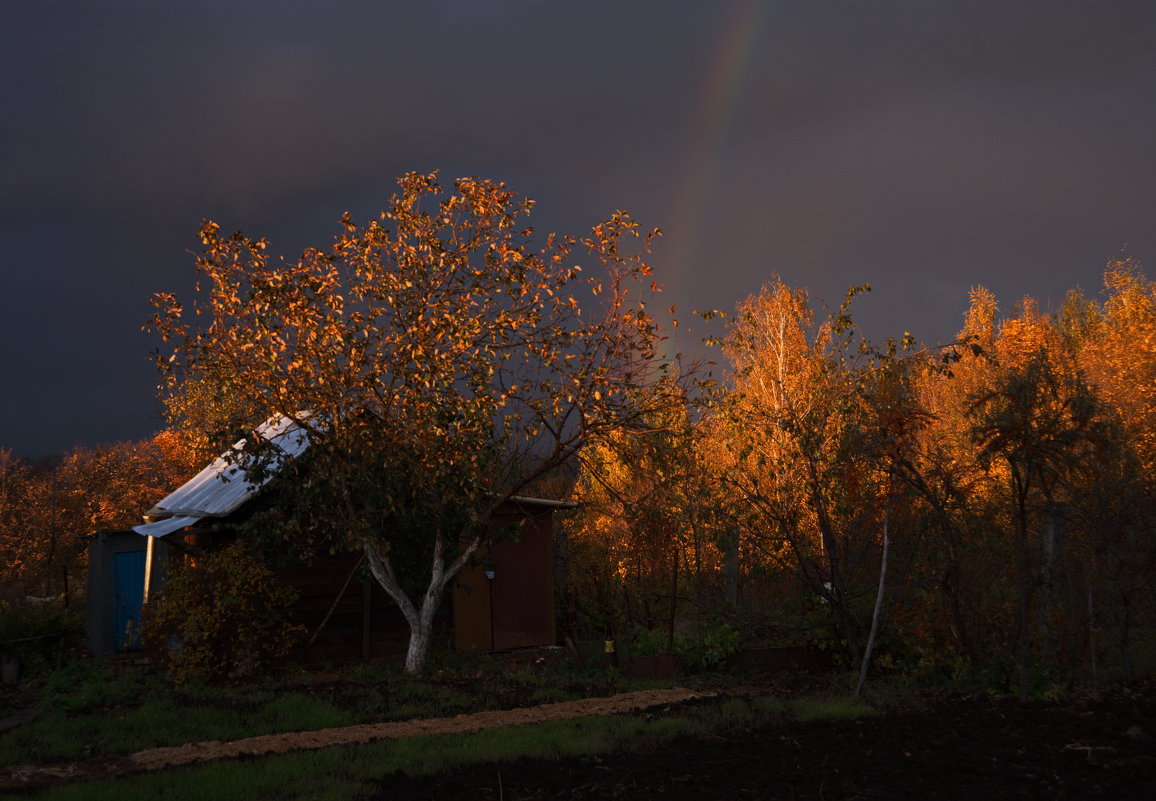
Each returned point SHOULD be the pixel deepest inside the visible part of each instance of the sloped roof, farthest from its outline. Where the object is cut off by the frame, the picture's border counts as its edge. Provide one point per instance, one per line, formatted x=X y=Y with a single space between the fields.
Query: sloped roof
x=222 y=487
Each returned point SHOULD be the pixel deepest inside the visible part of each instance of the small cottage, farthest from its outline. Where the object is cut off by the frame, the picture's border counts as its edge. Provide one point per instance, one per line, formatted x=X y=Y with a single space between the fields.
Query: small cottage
x=505 y=602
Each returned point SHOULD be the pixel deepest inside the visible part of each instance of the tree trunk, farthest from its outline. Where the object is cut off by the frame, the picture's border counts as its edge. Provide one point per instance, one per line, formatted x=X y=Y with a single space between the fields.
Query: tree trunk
x=1051 y=599
x=1125 y=633
x=1091 y=629
x=731 y=565
x=1024 y=601
x=951 y=584
x=421 y=635
x=673 y=602
x=838 y=581
x=878 y=606
x=420 y=621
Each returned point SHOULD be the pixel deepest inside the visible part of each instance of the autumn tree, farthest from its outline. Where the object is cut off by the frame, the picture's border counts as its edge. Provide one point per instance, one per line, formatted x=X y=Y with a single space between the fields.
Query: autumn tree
x=436 y=358
x=1028 y=466
x=646 y=523
x=826 y=450
x=1119 y=353
x=1115 y=345
x=1031 y=465
x=621 y=541
x=112 y=486
x=794 y=429
x=941 y=469
x=15 y=545
x=46 y=507
x=1036 y=423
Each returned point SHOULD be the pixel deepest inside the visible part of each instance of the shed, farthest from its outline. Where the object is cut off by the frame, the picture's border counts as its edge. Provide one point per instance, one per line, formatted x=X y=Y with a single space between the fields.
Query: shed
x=115 y=590
x=507 y=602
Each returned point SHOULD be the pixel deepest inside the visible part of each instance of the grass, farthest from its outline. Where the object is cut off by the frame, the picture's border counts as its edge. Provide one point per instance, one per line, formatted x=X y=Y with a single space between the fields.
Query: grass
x=357 y=771
x=93 y=707
x=88 y=709
x=423 y=699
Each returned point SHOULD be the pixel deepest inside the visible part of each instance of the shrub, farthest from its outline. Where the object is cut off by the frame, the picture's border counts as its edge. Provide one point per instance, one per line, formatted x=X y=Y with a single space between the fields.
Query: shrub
x=86 y=685
x=706 y=647
x=39 y=635
x=224 y=617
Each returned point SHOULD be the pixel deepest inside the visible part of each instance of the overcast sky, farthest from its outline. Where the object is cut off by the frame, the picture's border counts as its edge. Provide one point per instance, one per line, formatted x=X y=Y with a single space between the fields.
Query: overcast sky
x=923 y=147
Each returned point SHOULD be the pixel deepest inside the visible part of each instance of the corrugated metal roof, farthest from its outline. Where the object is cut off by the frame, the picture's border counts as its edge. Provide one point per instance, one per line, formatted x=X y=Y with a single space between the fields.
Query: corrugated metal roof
x=223 y=486
x=166 y=526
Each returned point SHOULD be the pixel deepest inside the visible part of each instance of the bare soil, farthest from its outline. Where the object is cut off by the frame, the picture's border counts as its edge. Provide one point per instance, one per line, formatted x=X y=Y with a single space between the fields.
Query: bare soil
x=961 y=748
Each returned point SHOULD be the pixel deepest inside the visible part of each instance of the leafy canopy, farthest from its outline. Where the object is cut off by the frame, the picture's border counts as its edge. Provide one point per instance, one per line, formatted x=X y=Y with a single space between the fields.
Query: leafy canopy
x=436 y=342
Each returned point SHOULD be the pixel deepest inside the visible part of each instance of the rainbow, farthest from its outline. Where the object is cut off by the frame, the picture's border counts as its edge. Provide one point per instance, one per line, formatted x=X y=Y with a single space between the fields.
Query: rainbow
x=714 y=113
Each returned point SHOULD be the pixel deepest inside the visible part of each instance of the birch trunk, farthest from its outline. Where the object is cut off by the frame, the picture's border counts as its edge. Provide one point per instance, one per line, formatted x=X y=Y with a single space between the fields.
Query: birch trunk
x=878 y=606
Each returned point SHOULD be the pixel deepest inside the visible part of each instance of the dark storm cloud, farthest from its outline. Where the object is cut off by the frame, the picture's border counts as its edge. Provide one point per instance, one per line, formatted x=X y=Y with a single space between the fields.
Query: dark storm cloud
x=926 y=147
x=225 y=103
x=923 y=147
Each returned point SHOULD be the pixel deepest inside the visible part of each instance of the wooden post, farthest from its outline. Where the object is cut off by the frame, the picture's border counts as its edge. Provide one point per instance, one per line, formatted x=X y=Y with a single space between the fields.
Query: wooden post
x=150 y=544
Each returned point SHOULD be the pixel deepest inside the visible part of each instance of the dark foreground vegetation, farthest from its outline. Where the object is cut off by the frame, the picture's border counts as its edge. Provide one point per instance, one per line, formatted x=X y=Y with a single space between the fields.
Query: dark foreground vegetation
x=780 y=735
x=949 y=748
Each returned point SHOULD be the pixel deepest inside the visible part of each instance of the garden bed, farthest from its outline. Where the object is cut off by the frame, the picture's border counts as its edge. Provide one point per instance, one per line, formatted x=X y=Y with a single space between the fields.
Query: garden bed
x=961 y=748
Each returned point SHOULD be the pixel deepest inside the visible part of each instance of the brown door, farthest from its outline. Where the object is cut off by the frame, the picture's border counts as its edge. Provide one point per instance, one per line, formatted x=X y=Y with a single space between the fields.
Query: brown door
x=522 y=588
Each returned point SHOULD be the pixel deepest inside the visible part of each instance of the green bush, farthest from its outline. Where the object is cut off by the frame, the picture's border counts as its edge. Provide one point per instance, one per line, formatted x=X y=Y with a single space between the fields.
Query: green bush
x=39 y=635
x=706 y=647
x=88 y=685
x=225 y=617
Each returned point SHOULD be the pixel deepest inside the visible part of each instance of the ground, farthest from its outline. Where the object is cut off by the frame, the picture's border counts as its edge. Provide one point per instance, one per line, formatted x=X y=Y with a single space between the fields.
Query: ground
x=957 y=748
x=1092 y=746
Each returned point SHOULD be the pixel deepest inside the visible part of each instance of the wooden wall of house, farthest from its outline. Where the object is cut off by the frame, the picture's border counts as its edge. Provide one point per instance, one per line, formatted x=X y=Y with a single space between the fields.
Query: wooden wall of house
x=349 y=617
x=507 y=599
x=365 y=623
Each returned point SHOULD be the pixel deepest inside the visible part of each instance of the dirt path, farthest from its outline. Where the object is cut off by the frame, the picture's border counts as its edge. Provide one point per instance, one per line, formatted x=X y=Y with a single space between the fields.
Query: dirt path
x=29 y=776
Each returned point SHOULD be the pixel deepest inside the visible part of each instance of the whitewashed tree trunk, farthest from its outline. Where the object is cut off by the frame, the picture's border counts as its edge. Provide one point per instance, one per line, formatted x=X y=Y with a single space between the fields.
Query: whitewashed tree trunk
x=420 y=619
x=420 y=637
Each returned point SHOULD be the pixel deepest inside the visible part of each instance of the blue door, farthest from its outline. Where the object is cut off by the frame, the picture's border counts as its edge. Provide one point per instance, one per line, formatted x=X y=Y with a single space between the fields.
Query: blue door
x=128 y=570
